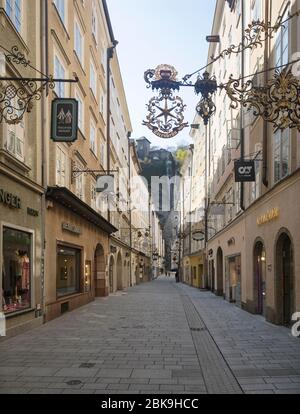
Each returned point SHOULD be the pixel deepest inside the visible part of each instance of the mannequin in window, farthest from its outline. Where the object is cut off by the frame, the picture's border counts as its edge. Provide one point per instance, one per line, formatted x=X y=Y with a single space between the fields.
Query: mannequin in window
x=22 y=276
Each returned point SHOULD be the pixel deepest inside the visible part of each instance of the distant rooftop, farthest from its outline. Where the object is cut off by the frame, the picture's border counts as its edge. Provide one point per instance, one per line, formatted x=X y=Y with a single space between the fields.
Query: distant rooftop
x=143 y=139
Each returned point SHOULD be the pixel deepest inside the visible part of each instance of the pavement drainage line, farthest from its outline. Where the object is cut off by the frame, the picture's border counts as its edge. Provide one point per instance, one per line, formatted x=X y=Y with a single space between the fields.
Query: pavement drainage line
x=196 y=348
x=211 y=336
x=192 y=313
x=215 y=383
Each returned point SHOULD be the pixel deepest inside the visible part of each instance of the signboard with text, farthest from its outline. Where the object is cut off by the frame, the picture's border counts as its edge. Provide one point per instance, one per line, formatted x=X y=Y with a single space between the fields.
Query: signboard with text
x=244 y=171
x=64 y=120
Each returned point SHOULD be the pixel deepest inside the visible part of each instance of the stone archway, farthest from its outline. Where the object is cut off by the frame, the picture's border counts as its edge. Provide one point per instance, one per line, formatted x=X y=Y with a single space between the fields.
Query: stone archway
x=99 y=272
x=220 y=267
x=284 y=279
x=111 y=274
x=119 y=272
x=259 y=281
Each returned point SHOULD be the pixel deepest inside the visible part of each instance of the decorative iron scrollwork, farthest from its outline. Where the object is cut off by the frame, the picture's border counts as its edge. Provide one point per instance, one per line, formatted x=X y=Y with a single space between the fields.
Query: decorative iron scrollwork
x=277 y=102
x=17 y=99
x=256 y=34
x=206 y=109
x=18 y=93
x=15 y=56
x=163 y=120
x=206 y=86
x=165 y=111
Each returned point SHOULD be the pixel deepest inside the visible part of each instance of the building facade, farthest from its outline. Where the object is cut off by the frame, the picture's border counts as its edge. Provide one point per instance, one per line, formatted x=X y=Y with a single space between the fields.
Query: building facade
x=21 y=181
x=78 y=228
x=252 y=228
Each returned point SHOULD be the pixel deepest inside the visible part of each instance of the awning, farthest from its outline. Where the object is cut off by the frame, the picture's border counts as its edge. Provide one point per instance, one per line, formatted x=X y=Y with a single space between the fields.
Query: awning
x=69 y=200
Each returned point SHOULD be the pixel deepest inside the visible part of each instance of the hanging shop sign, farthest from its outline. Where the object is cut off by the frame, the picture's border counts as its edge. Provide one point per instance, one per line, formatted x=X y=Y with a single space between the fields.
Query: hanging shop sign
x=244 y=171
x=64 y=120
x=198 y=235
x=213 y=39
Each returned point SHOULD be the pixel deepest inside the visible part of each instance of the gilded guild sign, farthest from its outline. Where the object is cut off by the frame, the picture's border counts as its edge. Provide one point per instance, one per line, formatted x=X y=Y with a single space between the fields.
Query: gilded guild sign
x=267 y=217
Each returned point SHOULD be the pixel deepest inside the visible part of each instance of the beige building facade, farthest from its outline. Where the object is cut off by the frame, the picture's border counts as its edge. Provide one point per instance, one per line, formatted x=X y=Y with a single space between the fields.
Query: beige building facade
x=77 y=231
x=252 y=254
x=21 y=190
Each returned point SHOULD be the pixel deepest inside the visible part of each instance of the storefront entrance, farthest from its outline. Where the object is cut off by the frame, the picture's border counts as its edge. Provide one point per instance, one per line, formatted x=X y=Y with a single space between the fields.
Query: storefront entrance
x=119 y=272
x=285 y=279
x=233 y=280
x=211 y=275
x=220 y=286
x=111 y=274
x=100 y=288
x=259 y=284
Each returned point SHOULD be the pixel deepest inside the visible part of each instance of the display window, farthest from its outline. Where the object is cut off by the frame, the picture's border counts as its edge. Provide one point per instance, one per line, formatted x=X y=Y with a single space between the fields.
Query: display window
x=68 y=271
x=16 y=270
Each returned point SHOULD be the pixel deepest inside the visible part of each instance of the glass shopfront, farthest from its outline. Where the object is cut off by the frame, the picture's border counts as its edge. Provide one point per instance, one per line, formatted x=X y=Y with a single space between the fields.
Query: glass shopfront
x=233 y=279
x=16 y=270
x=68 y=271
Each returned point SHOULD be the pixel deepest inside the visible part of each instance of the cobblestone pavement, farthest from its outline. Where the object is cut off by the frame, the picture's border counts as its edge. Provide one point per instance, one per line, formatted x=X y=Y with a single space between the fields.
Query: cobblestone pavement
x=155 y=338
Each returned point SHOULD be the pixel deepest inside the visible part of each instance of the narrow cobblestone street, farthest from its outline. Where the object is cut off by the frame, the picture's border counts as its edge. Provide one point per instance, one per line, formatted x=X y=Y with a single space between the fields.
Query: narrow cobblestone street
x=159 y=338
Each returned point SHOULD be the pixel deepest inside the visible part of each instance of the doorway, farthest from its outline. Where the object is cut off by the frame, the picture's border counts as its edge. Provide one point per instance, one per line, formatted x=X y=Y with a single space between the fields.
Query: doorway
x=220 y=287
x=285 y=279
x=260 y=278
x=233 y=280
x=111 y=274
x=99 y=272
x=119 y=272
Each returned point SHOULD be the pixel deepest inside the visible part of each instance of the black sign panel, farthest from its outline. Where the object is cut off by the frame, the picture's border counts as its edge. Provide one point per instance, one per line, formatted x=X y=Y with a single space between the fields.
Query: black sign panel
x=213 y=39
x=244 y=171
x=64 y=121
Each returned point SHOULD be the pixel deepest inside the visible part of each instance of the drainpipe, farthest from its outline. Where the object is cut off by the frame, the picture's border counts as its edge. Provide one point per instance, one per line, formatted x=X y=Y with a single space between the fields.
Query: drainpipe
x=130 y=206
x=44 y=68
x=242 y=137
x=110 y=55
x=265 y=127
x=191 y=189
x=206 y=208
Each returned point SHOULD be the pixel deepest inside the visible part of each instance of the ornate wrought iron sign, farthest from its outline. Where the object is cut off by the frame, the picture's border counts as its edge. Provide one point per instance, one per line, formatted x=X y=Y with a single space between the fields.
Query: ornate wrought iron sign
x=206 y=86
x=277 y=102
x=165 y=118
x=18 y=93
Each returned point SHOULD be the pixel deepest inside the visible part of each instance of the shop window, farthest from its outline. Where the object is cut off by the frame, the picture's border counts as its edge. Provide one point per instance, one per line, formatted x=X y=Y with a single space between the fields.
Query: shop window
x=68 y=271
x=16 y=270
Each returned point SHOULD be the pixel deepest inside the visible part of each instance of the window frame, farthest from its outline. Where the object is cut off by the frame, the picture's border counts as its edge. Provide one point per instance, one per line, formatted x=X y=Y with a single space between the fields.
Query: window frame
x=17 y=22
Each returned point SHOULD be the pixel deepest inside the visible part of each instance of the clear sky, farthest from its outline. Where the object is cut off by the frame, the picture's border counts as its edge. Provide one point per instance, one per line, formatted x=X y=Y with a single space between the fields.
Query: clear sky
x=152 y=32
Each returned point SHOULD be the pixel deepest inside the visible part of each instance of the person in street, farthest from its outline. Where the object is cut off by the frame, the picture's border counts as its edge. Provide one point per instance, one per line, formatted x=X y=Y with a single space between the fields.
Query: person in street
x=177 y=276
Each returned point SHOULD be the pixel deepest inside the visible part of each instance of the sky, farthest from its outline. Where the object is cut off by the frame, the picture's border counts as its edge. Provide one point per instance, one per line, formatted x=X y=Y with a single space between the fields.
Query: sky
x=153 y=32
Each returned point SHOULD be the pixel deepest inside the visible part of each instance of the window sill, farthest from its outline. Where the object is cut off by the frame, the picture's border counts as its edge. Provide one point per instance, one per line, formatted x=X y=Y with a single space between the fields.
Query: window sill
x=79 y=62
x=94 y=155
x=13 y=162
x=81 y=134
x=93 y=96
x=67 y=297
x=19 y=313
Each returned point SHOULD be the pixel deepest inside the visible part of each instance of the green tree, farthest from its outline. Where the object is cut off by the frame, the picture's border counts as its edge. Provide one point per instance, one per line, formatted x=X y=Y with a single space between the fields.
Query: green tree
x=180 y=155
